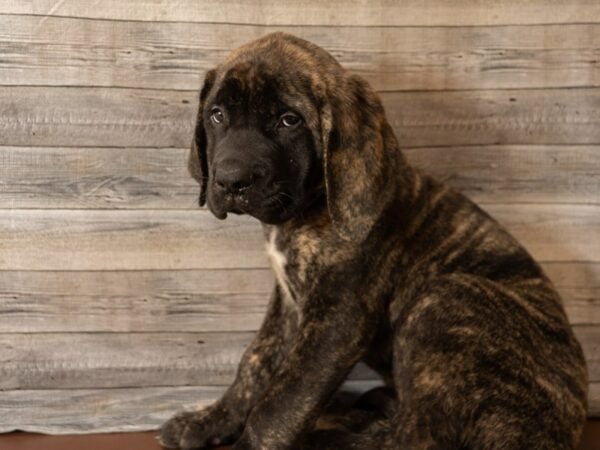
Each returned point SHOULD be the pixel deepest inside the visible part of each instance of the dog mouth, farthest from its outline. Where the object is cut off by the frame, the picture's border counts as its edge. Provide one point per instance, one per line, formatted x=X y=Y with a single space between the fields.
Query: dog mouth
x=280 y=200
x=270 y=208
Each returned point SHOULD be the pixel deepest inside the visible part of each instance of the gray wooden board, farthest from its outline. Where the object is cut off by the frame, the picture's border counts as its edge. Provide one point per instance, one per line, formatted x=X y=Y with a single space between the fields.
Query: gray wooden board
x=82 y=360
x=157 y=178
x=98 y=410
x=594 y=400
x=514 y=174
x=102 y=360
x=94 y=360
x=86 y=116
x=61 y=116
x=589 y=337
x=545 y=116
x=317 y=12
x=134 y=301
x=110 y=410
x=194 y=239
x=127 y=239
x=82 y=52
x=194 y=300
x=579 y=285
x=96 y=177
x=553 y=232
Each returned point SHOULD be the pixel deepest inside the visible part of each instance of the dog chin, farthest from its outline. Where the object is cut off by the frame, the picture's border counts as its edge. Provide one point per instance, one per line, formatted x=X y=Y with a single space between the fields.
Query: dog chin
x=268 y=214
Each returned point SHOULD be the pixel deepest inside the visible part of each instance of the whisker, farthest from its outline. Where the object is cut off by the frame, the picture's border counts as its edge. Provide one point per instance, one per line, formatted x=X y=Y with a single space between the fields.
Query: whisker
x=285 y=194
x=278 y=199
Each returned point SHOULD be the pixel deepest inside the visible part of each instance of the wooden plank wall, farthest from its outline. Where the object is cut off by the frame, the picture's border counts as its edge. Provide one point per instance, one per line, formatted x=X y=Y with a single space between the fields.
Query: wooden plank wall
x=120 y=301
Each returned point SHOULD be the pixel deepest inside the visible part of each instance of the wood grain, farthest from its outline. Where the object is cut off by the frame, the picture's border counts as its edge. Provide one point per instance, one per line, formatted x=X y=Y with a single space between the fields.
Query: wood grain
x=316 y=12
x=134 y=301
x=553 y=232
x=193 y=239
x=99 y=360
x=46 y=116
x=33 y=116
x=98 y=410
x=153 y=178
x=80 y=52
x=106 y=410
x=579 y=285
x=52 y=361
x=194 y=300
x=546 y=116
x=94 y=360
x=96 y=177
x=594 y=400
x=127 y=240
x=589 y=338
x=516 y=173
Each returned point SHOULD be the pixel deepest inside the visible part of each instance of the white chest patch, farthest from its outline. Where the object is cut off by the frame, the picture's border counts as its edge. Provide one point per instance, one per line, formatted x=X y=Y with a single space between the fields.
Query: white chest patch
x=278 y=262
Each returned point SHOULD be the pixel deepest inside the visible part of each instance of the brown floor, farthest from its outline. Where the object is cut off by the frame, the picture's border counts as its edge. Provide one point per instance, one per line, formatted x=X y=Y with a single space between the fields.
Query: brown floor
x=147 y=441
x=109 y=441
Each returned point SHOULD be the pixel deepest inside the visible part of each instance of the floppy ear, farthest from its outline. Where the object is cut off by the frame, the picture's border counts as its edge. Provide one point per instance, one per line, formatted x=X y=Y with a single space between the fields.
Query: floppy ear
x=359 y=157
x=197 y=160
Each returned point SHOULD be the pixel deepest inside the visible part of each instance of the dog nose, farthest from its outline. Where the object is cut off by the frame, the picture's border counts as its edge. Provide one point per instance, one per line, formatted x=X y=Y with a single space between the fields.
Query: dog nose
x=236 y=178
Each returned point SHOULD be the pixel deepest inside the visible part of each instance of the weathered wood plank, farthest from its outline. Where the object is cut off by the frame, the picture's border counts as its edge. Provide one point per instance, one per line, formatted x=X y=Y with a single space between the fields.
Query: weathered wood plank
x=43 y=116
x=134 y=301
x=110 y=410
x=594 y=400
x=589 y=338
x=316 y=12
x=193 y=239
x=514 y=174
x=98 y=410
x=145 y=178
x=127 y=240
x=92 y=178
x=429 y=119
x=553 y=232
x=194 y=300
x=579 y=287
x=77 y=52
x=51 y=361
x=42 y=360
x=39 y=361
x=84 y=117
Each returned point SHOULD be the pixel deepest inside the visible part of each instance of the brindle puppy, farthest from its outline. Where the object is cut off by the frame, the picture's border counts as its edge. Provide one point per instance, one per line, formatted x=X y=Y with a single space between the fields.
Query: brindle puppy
x=375 y=262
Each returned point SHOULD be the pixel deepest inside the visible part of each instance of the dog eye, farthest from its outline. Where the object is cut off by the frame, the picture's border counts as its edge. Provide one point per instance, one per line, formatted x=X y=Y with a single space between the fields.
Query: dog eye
x=216 y=115
x=290 y=120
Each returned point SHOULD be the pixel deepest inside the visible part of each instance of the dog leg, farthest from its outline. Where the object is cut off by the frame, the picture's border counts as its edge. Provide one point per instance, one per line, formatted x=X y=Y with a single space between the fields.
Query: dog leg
x=224 y=421
x=332 y=338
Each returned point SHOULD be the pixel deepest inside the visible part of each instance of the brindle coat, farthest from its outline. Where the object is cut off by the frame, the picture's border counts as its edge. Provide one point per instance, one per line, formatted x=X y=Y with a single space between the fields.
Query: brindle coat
x=376 y=262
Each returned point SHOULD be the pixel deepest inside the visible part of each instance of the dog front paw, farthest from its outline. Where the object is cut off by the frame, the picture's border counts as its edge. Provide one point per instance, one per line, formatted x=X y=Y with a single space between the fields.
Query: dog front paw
x=198 y=429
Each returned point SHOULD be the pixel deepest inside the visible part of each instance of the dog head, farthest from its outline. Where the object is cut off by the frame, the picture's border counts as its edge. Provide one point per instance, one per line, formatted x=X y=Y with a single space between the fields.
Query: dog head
x=282 y=126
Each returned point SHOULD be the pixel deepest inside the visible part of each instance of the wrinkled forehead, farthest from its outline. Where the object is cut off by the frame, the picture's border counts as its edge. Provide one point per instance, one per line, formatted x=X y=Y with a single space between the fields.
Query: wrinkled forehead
x=255 y=86
x=277 y=69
